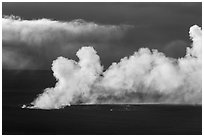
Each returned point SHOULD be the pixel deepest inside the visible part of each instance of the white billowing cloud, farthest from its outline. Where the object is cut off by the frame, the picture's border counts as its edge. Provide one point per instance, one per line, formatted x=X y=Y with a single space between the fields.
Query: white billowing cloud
x=52 y=37
x=74 y=79
x=145 y=77
x=196 y=35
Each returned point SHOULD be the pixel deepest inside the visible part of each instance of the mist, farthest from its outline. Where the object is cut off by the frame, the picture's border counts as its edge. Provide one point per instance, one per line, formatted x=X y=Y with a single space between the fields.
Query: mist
x=147 y=76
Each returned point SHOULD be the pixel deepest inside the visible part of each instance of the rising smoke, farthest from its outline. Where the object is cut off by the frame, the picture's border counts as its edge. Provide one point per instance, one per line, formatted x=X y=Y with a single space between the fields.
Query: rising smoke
x=148 y=76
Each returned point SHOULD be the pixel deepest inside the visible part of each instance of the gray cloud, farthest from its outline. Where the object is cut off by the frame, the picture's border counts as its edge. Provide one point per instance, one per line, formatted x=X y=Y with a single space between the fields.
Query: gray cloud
x=44 y=39
x=14 y=60
x=175 y=48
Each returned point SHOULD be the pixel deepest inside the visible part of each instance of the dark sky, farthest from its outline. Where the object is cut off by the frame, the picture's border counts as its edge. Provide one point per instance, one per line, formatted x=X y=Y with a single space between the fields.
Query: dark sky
x=163 y=26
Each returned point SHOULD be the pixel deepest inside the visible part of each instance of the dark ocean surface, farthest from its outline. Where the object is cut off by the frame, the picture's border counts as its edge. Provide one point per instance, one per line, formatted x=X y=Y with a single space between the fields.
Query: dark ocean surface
x=22 y=87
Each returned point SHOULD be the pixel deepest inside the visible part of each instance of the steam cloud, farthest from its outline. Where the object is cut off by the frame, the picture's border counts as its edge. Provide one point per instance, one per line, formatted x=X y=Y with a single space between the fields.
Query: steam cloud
x=145 y=77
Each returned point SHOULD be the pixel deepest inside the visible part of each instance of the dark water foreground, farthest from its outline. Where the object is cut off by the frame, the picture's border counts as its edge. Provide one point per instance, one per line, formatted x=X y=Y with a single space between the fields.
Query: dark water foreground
x=19 y=88
x=104 y=119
